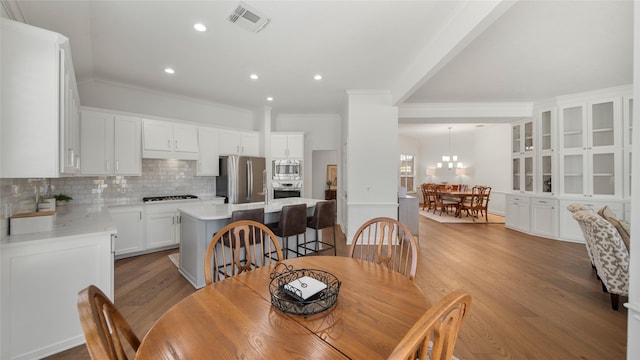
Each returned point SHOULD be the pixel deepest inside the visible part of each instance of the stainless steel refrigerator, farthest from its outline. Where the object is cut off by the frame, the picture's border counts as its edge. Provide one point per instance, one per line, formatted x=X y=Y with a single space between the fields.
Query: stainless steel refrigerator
x=242 y=179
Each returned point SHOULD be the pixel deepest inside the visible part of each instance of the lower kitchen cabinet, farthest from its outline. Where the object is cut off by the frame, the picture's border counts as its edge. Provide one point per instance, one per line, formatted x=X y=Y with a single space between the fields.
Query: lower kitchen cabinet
x=544 y=217
x=130 y=225
x=517 y=216
x=569 y=228
x=162 y=224
x=40 y=280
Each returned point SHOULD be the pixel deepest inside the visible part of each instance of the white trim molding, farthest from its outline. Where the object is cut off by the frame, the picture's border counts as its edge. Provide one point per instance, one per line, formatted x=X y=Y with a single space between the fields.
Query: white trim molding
x=466 y=110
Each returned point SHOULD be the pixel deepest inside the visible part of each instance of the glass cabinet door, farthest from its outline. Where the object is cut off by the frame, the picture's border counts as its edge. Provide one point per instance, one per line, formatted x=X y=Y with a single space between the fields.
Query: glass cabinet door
x=528 y=174
x=528 y=136
x=602 y=124
x=572 y=127
x=545 y=130
x=573 y=174
x=603 y=174
x=516 y=142
x=546 y=173
x=516 y=174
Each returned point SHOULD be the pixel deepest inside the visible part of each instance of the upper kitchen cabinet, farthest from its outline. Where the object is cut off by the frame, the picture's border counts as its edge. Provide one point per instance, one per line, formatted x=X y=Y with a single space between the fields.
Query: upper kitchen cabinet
x=208 y=154
x=590 y=162
x=168 y=140
x=287 y=146
x=111 y=144
x=239 y=143
x=627 y=147
x=40 y=135
x=546 y=160
x=522 y=153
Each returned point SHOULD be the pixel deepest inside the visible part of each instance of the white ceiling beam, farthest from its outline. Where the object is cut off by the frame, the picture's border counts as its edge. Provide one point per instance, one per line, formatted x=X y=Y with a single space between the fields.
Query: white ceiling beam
x=465 y=110
x=470 y=20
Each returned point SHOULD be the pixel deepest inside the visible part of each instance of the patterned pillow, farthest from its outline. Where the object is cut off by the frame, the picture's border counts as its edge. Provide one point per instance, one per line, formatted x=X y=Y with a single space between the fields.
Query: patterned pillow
x=623 y=229
x=606 y=212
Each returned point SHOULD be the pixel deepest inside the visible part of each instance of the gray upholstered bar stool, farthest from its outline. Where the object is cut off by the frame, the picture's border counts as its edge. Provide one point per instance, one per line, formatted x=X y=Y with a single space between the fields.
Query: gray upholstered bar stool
x=293 y=221
x=324 y=216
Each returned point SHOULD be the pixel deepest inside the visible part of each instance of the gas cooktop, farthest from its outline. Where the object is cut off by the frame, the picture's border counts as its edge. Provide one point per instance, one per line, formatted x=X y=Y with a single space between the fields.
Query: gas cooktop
x=168 y=198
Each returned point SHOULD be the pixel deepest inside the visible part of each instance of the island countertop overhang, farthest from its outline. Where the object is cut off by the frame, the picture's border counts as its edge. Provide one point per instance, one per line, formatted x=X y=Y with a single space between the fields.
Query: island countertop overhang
x=209 y=211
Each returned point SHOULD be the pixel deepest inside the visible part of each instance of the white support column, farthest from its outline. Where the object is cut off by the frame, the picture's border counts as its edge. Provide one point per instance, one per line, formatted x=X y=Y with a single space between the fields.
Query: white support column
x=372 y=158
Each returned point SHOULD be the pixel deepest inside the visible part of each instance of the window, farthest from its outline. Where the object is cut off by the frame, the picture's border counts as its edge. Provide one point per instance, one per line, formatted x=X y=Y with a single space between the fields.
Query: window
x=407 y=172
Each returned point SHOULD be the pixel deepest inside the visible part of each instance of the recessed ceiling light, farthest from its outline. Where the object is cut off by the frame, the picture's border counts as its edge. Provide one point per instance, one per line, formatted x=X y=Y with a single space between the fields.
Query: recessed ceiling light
x=253 y=76
x=317 y=77
x=200 y=27
x=169 y=71
x=269 y=98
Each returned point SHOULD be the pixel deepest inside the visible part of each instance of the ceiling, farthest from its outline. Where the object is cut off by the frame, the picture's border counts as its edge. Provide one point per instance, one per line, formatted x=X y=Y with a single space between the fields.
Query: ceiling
x=536 y=50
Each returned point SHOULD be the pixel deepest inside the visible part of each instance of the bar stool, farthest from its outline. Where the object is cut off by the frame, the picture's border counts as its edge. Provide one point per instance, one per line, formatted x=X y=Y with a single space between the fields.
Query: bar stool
x=324 y=216
x=249 y=214
x=293 y=221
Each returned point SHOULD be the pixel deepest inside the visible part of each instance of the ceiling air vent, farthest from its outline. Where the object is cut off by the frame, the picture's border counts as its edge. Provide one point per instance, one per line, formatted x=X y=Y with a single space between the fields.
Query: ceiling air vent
x=248 y=18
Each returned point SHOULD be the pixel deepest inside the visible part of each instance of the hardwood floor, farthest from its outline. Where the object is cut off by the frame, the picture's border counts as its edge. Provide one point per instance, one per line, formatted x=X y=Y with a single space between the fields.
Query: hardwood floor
x=533 y=298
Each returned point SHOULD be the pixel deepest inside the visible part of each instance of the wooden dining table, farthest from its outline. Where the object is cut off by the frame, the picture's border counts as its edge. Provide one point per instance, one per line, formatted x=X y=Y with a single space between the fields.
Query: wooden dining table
x=458 y=196
x=234 y=318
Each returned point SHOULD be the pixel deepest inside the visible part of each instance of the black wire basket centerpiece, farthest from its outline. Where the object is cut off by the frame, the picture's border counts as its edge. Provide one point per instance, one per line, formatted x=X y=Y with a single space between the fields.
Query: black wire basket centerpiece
x=303 y=291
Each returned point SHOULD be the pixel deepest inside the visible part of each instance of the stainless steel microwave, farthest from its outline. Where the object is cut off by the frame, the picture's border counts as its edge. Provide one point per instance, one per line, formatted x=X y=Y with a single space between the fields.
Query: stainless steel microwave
x=287 y=169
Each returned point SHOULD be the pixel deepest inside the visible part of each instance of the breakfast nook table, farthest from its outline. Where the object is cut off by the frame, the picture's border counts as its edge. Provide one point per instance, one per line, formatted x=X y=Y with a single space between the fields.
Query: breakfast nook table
x=234 y=318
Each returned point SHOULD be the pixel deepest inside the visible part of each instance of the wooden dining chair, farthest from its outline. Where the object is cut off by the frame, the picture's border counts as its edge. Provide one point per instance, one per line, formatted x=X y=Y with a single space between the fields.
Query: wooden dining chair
x=389 y=242
x=251 y=245
x=104 y=327
x=445 y=203
x=434 y=335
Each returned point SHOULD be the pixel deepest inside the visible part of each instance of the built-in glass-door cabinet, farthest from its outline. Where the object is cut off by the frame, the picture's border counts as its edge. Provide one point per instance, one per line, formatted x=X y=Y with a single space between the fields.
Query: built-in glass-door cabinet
x=628 y=131
x=589 y=150
x=522 y=155
x=546 y=160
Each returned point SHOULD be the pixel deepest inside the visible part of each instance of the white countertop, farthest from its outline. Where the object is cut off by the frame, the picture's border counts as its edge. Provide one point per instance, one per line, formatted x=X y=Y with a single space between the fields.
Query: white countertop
x=71 y=220
x=218 y=212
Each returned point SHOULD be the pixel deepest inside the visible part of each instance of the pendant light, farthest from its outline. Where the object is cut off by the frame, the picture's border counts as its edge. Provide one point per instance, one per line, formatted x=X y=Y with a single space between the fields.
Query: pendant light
x=449 y=159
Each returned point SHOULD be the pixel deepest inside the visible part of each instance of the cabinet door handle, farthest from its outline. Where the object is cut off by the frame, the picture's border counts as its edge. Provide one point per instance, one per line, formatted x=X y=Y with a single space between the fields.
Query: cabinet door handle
x=168 y=143
x=176 y=144
x=543 y=202
x=117 y=165
x=173 y=220
x=140 y=215
x=106 y=165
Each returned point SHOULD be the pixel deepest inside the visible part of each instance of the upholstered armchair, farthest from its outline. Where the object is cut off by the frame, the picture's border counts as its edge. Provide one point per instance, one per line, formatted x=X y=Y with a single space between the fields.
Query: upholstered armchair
x=610 y=255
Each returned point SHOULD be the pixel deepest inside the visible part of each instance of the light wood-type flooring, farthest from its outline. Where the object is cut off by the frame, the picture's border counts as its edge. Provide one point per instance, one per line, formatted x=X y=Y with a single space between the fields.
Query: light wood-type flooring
x=533 y=298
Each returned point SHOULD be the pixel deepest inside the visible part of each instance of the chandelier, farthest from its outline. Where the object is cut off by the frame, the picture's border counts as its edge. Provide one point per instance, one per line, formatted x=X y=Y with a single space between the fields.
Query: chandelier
x=450 y=160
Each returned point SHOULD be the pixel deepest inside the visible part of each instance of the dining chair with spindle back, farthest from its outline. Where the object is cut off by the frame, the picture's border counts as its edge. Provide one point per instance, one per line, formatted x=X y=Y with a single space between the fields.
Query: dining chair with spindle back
x=104 y=327
x=250 y=239
x=434 y=335
x=389 y=242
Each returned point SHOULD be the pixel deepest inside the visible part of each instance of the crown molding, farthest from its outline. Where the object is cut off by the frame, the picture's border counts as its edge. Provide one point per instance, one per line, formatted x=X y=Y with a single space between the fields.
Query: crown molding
x=466 y=110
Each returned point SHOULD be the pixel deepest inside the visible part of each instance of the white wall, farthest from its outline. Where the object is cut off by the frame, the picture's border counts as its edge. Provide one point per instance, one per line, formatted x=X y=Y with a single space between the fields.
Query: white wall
x=321 y=132
x=121 y=97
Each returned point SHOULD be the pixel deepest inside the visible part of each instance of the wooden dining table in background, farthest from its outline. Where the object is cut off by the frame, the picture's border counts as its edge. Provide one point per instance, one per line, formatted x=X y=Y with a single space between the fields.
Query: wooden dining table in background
x=234 y=318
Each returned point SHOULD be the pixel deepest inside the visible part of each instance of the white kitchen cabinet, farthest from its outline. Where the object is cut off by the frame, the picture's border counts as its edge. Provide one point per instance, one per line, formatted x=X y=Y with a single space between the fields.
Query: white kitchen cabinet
x=590 y=161
x=208 y=152
x=517 y=215
x=546 y=178
x=287 y=146
x=523 y=157
x=168 y=140
x=40 y=281
x=111 y=144
x=627 y=145
x=569 y=228
x=239 y=143
x=130 y=226
x=162 y=224
x=544 y=217
x=40 y=104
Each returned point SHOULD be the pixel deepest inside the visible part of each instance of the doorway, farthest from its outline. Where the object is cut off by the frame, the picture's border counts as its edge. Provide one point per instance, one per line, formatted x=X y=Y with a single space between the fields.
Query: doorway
x=319 y=160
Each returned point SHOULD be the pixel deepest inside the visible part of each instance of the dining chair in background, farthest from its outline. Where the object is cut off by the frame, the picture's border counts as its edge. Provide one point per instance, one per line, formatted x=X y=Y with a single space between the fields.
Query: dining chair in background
x=249 y=239
x=104 y=327
x=435 y=334
x=324 y=216
x=389 y=242
x=444 y=203
x=293 y=222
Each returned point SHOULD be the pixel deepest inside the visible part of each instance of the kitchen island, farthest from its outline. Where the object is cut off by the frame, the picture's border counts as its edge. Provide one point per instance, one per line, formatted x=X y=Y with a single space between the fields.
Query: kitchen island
x=200 y=222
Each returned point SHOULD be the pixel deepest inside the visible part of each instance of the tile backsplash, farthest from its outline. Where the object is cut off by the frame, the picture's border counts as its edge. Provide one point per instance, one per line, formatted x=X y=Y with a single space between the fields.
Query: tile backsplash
x=159 y=177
